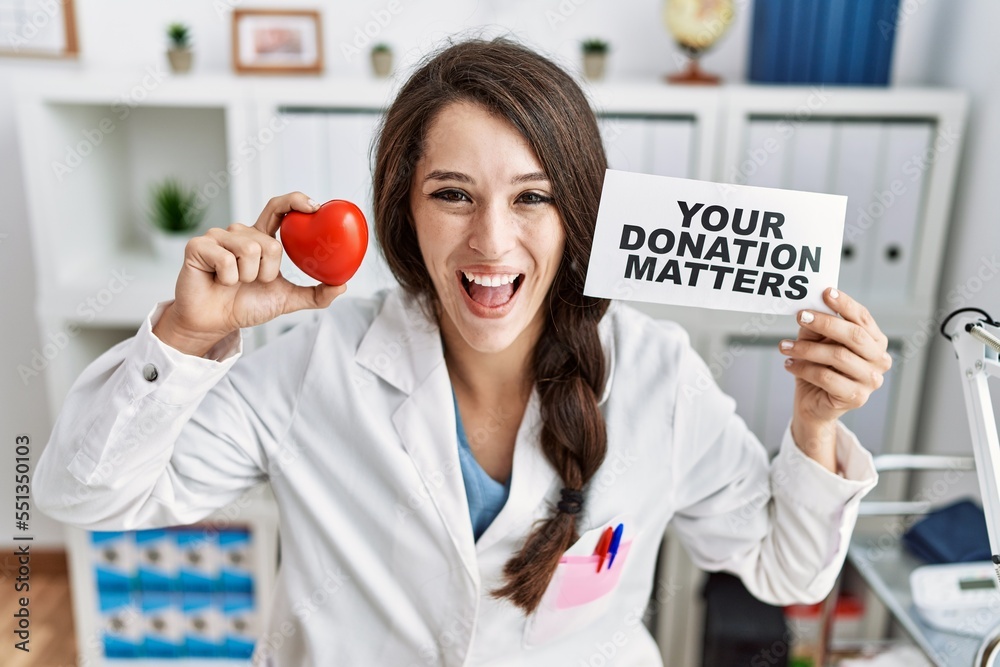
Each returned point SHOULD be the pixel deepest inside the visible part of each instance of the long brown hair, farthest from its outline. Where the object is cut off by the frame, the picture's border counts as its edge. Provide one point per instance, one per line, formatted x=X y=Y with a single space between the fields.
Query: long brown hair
x=548 y=108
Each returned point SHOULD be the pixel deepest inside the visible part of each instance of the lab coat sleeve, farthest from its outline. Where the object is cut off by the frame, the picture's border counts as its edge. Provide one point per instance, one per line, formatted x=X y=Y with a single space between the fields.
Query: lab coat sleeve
x=131 y=453
x=782 y=527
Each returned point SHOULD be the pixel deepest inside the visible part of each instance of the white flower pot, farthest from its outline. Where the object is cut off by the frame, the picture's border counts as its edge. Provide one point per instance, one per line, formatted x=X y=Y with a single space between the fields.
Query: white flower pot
x=382 y=63
x=180 y=60
x=594 y=65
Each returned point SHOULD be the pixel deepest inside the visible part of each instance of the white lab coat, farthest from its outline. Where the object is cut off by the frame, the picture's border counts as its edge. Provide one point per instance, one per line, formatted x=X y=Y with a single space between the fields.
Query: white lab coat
x=350 y=418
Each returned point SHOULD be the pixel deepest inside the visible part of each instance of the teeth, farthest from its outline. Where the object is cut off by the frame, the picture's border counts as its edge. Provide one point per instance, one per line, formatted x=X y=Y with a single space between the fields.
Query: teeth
x=491 y=280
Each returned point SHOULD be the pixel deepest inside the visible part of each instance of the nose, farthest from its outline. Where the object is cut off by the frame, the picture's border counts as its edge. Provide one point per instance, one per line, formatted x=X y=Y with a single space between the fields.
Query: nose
x=494 y=231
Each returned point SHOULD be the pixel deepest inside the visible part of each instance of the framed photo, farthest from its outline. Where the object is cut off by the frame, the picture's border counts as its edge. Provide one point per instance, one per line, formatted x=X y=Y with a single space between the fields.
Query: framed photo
x=38 y=29
x=277 y=41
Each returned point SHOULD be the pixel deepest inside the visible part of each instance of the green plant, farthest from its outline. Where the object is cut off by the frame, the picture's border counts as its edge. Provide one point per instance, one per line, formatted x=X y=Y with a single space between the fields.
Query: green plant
x=174 y=209
x=595 y=45
x=381 y=47
x=179 y=35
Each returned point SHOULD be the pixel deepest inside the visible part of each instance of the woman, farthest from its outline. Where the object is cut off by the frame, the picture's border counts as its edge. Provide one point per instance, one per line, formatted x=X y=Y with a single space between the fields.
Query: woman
x=450 y=453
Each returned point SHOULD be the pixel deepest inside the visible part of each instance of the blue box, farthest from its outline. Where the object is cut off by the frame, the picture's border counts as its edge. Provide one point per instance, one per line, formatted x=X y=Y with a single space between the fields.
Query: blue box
x=121 y=624
x=847 y=42
x=114 y=558
x=204 y=624
x=157 y=555
x=241 y=624
x=163 y=624
x=236 y=554
x=198 y=557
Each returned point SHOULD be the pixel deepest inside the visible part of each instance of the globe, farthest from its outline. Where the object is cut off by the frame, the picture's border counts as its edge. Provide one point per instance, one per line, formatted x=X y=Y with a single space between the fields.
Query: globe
x=696 y=25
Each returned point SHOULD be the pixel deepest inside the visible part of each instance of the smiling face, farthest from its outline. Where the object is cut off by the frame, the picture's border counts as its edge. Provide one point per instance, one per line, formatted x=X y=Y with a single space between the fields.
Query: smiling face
x=489 y=232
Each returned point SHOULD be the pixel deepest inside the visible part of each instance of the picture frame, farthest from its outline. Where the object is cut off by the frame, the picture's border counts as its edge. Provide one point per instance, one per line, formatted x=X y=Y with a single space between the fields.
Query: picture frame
x=38 y=29
x=277 y=41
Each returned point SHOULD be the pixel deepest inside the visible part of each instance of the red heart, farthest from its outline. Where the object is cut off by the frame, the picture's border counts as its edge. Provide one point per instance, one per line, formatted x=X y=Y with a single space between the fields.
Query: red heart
x=328 y=244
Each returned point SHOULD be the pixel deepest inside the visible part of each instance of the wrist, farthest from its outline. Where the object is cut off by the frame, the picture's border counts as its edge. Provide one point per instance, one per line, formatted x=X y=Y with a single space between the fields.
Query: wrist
x=169 y=331
x=817 y=439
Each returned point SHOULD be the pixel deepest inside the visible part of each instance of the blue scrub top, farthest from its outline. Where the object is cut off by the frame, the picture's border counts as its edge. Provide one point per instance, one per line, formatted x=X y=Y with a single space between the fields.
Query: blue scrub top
x=486 y=496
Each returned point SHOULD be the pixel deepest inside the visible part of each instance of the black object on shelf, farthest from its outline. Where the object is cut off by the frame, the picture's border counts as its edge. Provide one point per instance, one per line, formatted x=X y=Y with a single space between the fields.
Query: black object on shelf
x=740 y=630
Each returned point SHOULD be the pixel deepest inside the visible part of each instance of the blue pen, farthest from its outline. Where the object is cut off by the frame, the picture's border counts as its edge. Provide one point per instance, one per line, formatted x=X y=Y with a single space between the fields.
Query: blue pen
x=615 y=541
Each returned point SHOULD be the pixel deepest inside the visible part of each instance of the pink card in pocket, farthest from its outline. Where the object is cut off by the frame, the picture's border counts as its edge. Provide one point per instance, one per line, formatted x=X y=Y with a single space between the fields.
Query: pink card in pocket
x=582 y=583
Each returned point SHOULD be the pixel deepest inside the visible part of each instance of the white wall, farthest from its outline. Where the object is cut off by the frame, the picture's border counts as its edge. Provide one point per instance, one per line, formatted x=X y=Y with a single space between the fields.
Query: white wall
x=934 y=47
x=971 y=272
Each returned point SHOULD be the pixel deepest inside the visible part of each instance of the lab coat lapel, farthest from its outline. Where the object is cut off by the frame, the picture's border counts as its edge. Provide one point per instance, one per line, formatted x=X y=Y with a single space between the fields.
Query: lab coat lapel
x=533 y=479
x=404 y=348
x=426 y=425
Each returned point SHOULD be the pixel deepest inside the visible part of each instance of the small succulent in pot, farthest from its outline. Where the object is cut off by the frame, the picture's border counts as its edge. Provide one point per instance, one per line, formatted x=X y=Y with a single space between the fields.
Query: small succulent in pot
x=175 y=208
x=175 y=214
x=382 y=60
x=179 y=51
x=595 y=55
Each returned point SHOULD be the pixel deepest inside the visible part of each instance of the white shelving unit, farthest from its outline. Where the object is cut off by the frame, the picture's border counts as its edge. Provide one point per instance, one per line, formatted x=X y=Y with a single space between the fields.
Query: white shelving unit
x=895 y=153
x=266 y=136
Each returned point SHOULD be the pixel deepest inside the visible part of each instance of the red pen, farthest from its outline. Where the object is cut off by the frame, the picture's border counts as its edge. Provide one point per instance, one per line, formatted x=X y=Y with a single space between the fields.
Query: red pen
x=603 y=545
x=615 y=541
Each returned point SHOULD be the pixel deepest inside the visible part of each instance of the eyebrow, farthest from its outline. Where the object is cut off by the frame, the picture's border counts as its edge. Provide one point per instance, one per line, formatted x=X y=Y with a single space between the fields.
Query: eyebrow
x=442 y=175
x=528 y=178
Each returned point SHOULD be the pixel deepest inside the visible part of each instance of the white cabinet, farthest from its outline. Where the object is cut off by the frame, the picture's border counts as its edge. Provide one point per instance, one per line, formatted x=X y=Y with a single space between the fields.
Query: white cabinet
x=89 y=159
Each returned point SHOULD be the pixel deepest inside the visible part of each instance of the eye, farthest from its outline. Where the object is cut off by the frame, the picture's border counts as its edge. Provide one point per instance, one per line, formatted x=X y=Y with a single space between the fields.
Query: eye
x=451 y=196
x=534 y=198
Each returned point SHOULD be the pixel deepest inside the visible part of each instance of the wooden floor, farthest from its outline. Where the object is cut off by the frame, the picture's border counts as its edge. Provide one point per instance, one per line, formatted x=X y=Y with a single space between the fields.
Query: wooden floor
x=52 y=641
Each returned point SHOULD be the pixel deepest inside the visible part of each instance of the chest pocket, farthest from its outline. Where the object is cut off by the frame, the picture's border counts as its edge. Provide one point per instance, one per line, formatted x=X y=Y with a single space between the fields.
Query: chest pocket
x=577 y=595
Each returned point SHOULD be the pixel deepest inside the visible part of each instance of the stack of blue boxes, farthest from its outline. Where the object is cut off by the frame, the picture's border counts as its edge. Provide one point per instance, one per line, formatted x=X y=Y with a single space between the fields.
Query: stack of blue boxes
x=846 y=42
x=176 y=592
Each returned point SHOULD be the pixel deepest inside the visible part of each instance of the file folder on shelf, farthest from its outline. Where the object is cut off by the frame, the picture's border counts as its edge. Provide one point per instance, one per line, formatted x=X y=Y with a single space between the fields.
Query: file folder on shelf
x=350 y=173
x=746 y=382
x=856 y=173
x=899 y=199
x=626 y=142
x=810 y=151
x=764 y=159
x=350 y=178
x=303 y=160
x=672 y=146
x=870 y=422
x=779 y=398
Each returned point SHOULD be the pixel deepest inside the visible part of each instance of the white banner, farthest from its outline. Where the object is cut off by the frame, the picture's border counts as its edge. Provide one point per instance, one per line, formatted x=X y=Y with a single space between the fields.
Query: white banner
x=713 y=245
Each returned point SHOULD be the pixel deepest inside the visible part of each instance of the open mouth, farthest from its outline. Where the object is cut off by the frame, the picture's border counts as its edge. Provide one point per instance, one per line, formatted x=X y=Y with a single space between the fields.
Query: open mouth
x=491 y=290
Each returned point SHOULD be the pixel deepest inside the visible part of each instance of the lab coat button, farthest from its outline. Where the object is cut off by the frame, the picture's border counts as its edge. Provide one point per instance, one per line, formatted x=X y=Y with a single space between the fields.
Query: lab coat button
x=150 y=373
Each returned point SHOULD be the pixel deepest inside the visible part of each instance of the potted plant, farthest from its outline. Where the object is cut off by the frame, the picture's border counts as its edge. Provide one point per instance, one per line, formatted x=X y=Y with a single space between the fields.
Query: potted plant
x=595 y=56
x=179 y=51
x=382 y=60
x=175 y=215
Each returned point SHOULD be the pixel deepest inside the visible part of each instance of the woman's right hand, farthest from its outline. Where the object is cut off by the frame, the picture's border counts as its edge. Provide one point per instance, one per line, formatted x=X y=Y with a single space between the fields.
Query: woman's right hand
x=231 y=280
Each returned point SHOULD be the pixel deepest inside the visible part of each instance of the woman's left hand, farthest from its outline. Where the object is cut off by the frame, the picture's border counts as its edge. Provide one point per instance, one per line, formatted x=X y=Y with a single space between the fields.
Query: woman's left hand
x=837 y=363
